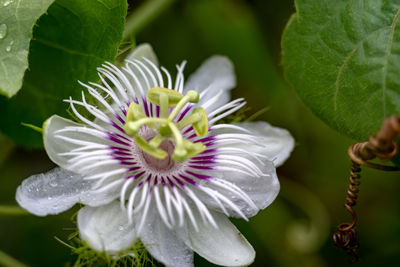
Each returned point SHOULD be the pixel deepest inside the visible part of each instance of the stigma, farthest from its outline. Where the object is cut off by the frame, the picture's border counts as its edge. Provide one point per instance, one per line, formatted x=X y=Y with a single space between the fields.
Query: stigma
x=165 y=127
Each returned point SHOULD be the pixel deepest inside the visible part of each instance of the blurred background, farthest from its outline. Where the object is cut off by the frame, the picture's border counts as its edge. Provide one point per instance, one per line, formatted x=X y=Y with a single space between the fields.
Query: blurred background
x=296 y=229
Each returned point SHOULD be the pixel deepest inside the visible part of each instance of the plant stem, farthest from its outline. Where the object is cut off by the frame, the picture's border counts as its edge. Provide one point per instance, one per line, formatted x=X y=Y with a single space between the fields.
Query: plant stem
x=8 y=261
x=143 y=15
x=12 y=210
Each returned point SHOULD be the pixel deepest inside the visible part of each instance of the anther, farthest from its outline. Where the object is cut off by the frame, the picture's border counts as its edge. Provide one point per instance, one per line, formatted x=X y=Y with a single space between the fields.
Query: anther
x=164 y=105
x=193 y=148
x=149 y=149
x=154 y=96
x=134 y=112
x=180 y=153
x=132 y=127
x=199 y=121
x=166 y=128
x=191 y=96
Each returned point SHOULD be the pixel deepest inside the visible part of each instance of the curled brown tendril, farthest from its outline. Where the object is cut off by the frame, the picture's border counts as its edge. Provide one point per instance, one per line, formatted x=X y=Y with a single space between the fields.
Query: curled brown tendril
x=382 y=146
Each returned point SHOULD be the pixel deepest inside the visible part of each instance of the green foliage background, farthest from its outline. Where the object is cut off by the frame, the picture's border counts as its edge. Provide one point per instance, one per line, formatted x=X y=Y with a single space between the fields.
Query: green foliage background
x=295 y=230
x=342 y=59
x=68 y=44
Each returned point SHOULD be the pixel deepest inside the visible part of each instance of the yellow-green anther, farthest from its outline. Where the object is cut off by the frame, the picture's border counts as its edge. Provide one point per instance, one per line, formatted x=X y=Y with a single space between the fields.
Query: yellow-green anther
x=134 y=112
x=147 y=148
x=132 y=127
x=180 y=153
x=191 y=96
x=156 y=141
x=164 y=127
x=199 y=121
x=164 y=105
x=193 y=148
x=173 y=96
x=200 y=126
x=189 y=120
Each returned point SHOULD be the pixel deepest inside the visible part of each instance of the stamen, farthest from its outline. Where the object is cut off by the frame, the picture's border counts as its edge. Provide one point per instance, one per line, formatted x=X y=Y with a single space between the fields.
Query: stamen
x=134 y=112
x=194 y=117
x=200 y=126
x=165 y=127
x=180 y=152
x=132 y=127
x=193 y=148
x=164 y=105
x=191 y=96
x=156 y=141
x=173 y=97
x=153 y=151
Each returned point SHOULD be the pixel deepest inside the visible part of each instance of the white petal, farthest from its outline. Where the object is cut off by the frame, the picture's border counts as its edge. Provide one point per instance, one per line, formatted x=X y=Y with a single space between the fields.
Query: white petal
x=163 y=244
x=223 y=246
x=98 y=198
x=143 y=51
x=58 y=190
x=142 y=71
x=106 y=228
x=216 y=75
x=55 y=146
x=273 y=142
x=262 y=190
x=52 y=192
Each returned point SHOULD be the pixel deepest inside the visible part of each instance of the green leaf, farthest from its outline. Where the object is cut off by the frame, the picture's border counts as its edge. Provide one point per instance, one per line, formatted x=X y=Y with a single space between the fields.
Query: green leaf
x=68 y=44
x=17 y=19
x=343 y=59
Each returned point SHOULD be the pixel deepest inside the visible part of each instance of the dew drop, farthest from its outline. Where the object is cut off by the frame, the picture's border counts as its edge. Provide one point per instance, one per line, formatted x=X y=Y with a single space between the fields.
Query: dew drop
x=53 y=183
x=7 y=2
x=8 y=48
x=3 y=31
x=121 y=228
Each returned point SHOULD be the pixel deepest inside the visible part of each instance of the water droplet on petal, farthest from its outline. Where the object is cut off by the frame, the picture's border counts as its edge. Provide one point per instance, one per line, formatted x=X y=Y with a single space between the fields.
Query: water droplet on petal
x=53 y=183
x=3 y=31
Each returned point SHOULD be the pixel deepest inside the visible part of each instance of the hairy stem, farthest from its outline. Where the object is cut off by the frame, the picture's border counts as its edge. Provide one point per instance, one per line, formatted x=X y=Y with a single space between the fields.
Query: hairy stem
x=143 y=15
x=12 y=210
x=8 y=261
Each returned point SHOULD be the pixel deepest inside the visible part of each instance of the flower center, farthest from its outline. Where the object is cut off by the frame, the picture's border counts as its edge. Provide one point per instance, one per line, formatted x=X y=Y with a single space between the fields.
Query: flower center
x=161 y=164
x=166 y=129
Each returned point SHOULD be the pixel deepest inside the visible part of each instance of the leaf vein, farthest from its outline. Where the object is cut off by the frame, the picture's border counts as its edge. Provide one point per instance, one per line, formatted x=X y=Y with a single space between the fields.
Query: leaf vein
x=65 y=49
x=387 y=55
x=346 y=60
